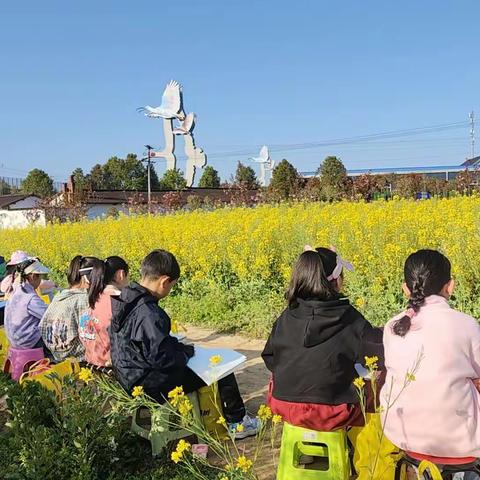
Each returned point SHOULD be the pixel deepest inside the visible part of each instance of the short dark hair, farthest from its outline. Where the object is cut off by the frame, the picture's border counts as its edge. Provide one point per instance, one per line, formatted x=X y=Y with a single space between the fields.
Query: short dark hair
x=159 y=263
x=309 y=277
x=426 y=273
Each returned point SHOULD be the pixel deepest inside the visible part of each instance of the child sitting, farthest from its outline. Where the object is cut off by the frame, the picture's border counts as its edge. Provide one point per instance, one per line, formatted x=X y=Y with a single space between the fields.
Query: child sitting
x=432 y=355
x=106 y=280
x=145 y=354
x=315 y=344
x=12 y=279
x=59 y=325
x=25 y=308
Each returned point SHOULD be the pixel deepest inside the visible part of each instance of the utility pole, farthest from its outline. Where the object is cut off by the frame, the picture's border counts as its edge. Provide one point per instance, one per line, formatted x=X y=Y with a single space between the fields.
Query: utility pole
x=148 y=160
x=472 y=131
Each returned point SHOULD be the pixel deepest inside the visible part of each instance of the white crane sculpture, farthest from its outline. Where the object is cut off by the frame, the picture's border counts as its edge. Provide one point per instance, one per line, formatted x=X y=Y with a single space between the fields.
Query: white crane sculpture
x=186 y=126
x=171 y=104
x=170 y=108
x=266 y=165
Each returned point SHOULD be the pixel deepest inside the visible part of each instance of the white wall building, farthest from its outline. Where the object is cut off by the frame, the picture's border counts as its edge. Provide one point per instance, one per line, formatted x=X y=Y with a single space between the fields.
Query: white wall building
x=17 y=211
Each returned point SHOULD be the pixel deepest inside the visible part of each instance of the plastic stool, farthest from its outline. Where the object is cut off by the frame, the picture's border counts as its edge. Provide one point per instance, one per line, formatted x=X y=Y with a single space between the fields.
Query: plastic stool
x=330 y=447
x=447 y=466
x=161 y=430
x=19 y=360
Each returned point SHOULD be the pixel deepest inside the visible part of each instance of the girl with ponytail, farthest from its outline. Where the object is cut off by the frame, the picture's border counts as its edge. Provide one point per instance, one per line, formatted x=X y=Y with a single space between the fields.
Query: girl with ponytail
x=60 y=324
x=432 y=357
x=315 y=344
x=106 y=280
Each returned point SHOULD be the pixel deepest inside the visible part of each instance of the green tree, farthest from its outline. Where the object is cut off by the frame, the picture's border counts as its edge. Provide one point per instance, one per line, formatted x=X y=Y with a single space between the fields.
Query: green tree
x=173 y=180
x=285 y=181
x=125 y=174
x=79 y=180
x=333 y=176
x=245 y=177
x=122 y=174
x=38 y=183
x=5 y=188
x=210 y=178
x=96 y=178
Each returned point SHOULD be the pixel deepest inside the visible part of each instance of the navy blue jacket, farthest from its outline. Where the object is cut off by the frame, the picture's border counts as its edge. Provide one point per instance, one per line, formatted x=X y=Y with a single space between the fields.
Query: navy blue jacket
x=143 y=351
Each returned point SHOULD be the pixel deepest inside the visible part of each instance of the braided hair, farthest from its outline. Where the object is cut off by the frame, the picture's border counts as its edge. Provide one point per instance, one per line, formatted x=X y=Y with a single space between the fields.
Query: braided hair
x=426 y=273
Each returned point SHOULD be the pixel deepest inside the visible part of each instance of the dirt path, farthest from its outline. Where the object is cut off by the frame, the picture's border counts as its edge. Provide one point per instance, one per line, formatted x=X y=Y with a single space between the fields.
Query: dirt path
x=252 y=378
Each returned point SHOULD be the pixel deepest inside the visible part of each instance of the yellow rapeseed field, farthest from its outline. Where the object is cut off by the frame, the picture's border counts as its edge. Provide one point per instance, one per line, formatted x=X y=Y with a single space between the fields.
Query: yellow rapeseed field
x=252 y=250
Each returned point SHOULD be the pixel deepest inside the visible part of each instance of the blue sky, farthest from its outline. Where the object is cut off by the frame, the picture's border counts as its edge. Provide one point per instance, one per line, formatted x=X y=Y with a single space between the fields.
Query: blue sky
x=255 y=72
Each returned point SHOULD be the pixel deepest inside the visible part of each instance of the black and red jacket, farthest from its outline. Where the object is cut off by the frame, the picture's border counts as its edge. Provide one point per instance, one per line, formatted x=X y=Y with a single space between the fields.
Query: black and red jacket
x=313 y=348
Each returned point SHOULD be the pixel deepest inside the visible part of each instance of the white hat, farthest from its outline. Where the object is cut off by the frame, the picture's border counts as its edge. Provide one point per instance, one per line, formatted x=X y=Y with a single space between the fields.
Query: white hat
x=18 y=257
x=36 y=267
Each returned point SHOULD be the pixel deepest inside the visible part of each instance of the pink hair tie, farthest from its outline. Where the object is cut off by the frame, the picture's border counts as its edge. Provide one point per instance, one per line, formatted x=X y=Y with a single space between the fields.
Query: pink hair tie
x=410 y=313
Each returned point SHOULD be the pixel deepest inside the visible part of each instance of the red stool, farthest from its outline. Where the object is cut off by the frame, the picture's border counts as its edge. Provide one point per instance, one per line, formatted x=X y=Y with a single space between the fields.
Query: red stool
x=448 y=466
x=20 y=360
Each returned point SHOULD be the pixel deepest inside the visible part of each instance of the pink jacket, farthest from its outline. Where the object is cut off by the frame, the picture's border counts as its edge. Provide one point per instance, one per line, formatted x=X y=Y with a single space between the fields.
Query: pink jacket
x=438 y=412
x=93 y=331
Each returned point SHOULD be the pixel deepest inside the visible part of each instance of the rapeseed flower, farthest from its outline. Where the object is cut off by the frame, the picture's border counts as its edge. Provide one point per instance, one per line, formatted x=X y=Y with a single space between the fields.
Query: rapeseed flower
x=359 y=382
x=277 y=419
x=244 y=464
x=85 y=375
x=264 y=413
x=222 y=421
x=137 y=391
x=215 y=360
x=371 y=362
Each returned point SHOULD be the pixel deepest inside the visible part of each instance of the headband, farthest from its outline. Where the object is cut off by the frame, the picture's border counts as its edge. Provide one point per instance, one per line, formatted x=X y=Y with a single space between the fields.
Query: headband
x=341 y=263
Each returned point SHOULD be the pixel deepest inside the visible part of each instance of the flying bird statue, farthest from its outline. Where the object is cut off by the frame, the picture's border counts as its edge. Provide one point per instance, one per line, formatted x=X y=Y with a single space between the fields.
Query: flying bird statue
x=171 y=104
x=266 y=165
x=263 y=156
x=186 y=126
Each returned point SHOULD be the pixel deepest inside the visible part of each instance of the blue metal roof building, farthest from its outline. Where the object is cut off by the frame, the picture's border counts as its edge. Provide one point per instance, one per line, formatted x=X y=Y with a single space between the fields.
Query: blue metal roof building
x=445 y=172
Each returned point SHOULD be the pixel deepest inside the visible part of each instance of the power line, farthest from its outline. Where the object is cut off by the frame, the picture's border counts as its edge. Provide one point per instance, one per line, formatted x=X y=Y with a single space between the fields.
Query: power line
x=349 y=140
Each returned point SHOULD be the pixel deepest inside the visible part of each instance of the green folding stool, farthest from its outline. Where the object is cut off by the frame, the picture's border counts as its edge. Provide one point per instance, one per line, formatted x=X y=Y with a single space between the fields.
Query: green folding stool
x=328 y=449
x=160 y=430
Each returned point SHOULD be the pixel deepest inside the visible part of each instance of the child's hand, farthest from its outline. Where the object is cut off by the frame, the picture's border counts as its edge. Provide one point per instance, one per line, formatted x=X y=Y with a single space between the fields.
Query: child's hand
x=476 y=382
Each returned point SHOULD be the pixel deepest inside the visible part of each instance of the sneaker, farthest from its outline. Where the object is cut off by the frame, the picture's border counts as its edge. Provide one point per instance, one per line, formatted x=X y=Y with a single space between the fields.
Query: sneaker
x=249 y=427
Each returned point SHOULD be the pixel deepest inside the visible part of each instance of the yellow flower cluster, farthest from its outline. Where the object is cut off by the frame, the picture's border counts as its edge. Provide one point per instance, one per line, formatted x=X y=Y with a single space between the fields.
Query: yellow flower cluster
x=85 y=375
x=215 y=360
x=137 y=391
x=182 y=447
x=175 y=396
x=277 y=419
x=222 y=421
x=180 y=401
x=244 y=464
x=371 y=363
x=359 y=382
x=264 y=413
x=262 y=243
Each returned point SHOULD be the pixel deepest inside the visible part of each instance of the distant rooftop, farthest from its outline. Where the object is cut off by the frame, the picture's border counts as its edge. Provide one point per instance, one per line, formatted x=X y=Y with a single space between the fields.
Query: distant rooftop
x=470 y=163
